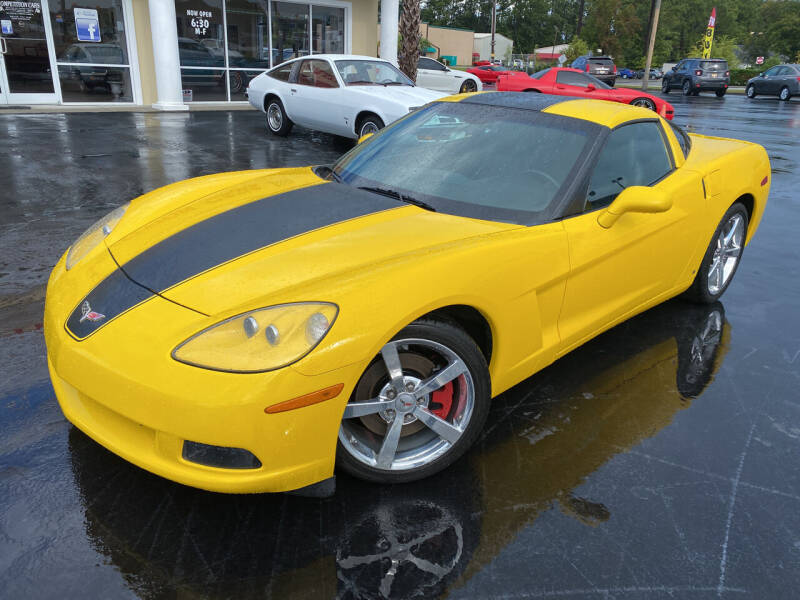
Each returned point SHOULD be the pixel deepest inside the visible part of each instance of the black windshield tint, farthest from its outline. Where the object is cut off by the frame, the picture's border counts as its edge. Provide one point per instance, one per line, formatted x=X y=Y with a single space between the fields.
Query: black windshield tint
x=486 y=162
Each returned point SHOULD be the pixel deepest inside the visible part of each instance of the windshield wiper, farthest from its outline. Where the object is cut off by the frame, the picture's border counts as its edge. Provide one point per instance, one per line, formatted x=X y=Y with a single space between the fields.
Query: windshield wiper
x=396 y=83
x=398 y=196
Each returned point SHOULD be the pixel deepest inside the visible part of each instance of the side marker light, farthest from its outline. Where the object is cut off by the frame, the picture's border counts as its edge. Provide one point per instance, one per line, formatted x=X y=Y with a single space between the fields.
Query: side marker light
x=307 y=400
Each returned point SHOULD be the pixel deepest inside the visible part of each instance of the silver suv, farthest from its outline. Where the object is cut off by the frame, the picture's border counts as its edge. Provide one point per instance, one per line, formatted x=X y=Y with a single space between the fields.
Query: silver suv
x=602 y=67
x=695 y=75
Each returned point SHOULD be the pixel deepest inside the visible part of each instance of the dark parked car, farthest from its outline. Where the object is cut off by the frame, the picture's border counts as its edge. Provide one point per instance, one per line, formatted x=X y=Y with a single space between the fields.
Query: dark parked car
x=602 y=67
x=782 y=81
x=654 y=74
x=695 y=75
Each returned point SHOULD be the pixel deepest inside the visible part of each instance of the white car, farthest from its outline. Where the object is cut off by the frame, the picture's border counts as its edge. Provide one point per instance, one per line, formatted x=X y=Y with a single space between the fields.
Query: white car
x=434 y=75
x=341 y=94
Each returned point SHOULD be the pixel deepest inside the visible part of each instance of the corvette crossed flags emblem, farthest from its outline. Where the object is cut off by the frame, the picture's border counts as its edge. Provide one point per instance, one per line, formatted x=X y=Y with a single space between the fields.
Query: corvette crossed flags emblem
x=88 y=314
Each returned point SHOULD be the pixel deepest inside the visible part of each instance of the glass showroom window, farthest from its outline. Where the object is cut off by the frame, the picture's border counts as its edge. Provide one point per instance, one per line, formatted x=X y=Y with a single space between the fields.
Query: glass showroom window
x=248 y=43
x=201 y=47
x=223 y=44
x=327 y=29
x=92 y=54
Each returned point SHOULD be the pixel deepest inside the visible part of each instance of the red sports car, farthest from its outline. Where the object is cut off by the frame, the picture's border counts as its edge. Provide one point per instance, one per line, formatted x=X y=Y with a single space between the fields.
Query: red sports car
x=489 y=73
x=572 y=82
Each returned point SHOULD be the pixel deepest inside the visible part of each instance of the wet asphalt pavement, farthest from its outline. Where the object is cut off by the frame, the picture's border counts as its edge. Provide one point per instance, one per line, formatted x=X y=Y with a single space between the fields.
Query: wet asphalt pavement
x=658 y=461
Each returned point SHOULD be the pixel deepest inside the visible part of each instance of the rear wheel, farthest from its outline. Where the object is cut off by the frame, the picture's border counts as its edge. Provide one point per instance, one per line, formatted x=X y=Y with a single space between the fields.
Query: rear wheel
x=468 y=86
x=644 y=102
x=720 y=93
x=418 y=406
x=750 y=92
x=785 y=93
x=722 y=257
x=687 y=88
x=277 y=121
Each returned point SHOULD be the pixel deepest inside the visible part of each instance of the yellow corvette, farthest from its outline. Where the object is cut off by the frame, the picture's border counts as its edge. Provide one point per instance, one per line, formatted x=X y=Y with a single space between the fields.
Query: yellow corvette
x=249 y=331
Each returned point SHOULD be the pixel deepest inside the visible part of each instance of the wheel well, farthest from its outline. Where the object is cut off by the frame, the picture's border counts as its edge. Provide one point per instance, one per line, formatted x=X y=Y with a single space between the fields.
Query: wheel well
x=267 y=99
x=749 y=203
x=532 y=90
x=363 y=115
x=471 y=321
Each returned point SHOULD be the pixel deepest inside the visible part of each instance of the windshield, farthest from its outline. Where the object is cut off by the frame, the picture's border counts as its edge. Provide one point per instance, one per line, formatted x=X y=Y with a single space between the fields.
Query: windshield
x=473 y=159
x=370 y=72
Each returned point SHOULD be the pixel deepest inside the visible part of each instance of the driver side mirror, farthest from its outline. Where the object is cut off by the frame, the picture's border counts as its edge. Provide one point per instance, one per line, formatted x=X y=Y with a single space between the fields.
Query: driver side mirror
x=364 y=137
x=590 y=87
x=638 y=199
x=763 y=74
x=675 y=68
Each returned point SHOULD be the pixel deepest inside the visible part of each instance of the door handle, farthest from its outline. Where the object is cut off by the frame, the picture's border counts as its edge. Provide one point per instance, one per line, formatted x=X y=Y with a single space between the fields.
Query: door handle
x=293 y=90
x=3 y=46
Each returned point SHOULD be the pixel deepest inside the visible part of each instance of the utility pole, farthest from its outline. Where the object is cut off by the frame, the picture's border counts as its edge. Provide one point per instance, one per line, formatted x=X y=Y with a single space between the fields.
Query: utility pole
x=651 y=44
x=580 y=18
x=494 y=19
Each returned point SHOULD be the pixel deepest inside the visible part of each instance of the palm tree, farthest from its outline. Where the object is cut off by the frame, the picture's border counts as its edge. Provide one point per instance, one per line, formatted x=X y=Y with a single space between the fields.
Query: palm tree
x=409 y=33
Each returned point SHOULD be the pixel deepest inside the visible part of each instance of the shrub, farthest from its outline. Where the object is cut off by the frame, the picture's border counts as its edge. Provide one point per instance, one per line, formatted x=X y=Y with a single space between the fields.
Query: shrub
x=740 y=76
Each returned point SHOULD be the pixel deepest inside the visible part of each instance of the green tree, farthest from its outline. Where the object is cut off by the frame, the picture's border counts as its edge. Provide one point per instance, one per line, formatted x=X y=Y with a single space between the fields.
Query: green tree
x=723 y=47
x=576 y=48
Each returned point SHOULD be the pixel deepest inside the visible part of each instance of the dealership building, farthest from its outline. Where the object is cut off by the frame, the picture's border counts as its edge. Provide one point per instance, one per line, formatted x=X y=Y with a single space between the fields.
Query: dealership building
x=166 y=53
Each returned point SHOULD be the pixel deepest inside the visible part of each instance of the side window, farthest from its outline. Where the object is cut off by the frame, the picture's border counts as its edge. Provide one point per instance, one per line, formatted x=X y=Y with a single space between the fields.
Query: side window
x=572 y=78
x=430 y=64
x=305 y=75
x=282 y=73
x=634 y=154
x=683 y=139
x=783 y=71
x=323 y=74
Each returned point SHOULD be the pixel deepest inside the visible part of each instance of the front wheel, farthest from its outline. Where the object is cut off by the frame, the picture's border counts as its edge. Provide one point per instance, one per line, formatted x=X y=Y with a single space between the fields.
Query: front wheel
x=720 y=93
x=645 y=103
x=419 y=405
x=369 y=124
x=468 y=87
x=750 y=92
x=785 y=94
x=277 y=120
x=722 y=257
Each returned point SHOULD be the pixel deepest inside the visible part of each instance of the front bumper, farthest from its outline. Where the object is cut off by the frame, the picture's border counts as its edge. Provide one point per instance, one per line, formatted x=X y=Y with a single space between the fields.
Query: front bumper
x=121 y=387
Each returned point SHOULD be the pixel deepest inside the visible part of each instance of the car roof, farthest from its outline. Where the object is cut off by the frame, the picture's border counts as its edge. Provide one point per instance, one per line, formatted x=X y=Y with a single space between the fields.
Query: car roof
x=609 y=114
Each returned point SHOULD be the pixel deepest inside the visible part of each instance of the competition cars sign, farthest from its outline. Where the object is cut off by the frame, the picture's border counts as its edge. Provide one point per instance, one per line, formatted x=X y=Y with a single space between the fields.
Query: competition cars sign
x=709 y=37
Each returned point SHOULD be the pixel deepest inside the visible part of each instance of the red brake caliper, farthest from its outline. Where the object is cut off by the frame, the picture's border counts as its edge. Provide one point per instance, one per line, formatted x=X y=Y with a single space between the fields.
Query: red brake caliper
x=442 y=400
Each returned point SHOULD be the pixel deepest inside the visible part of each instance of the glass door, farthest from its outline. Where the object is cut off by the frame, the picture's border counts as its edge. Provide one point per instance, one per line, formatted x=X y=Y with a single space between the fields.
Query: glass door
x=26 y=75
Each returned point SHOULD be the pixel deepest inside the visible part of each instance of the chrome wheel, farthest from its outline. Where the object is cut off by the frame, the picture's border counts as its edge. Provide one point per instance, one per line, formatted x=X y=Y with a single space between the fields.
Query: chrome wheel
x=750 y=91
x=727 y=252
x=368 y=127
x=645 y=103
x=784 y=94
x=410 y=407
x=274 y=117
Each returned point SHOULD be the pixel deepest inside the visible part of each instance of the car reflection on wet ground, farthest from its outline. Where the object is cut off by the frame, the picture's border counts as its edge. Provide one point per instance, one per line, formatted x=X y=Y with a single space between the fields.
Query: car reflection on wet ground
x=659 y=460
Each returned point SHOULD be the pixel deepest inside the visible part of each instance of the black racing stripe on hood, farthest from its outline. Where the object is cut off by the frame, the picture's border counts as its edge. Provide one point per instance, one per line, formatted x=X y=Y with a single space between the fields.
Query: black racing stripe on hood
x=517 y=100
x=112 y=297
x=220 y=239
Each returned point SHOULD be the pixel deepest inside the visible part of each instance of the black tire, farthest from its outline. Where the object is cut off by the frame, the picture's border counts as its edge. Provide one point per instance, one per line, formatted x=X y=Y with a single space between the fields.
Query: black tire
x=750 y=91
x=785 y=94
x=236 y=79
x=278 y=123
x=720 y=93
x=699 y=292
x=464 y=347
x=468 y=87
x=700 y=341
x=687 y=87
x=665 y=86
x=368 y=124
x=644 y=103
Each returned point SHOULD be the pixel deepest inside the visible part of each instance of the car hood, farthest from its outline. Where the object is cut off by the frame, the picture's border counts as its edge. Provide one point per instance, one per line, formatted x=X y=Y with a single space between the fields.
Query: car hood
x=405 y=95
x=269 y=237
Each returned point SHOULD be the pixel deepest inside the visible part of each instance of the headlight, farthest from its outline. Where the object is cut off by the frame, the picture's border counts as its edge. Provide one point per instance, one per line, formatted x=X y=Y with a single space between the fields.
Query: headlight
x=260 y=340
x=94 y=235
